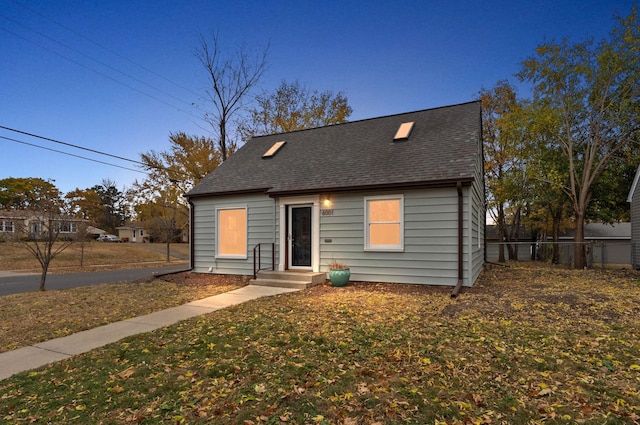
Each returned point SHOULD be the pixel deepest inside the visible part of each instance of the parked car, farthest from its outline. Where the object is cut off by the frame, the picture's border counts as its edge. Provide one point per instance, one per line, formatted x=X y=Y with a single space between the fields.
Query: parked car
x=108 y=238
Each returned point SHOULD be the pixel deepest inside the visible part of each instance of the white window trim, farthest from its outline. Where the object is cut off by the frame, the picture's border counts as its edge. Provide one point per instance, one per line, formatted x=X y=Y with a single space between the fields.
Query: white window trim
x=246 y=243
x=283 y=203
x=383 y=248
x=66 y=227
x=4 y=227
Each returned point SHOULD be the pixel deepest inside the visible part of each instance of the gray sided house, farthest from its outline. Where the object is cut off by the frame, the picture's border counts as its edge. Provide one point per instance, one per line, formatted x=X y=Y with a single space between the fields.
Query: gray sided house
x=634 y=200
x=398 y=198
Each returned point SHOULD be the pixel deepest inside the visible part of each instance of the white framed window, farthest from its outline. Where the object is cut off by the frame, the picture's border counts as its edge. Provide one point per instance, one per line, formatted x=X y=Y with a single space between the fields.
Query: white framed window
x=36 y=227
x=384 y=223
x=68 y=227
x=231 y=231
x=6 y=226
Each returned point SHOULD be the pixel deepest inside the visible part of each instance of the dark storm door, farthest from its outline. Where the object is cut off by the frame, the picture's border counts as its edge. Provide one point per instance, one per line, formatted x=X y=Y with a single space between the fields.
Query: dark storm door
x=300 y=237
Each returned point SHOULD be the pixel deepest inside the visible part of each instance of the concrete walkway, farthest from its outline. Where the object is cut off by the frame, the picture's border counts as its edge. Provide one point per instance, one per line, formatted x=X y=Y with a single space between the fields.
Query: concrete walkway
x=41 y=354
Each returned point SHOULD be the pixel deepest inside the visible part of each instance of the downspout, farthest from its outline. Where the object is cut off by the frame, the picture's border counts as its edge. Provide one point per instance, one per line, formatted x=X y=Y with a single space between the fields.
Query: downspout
x=191 y=233
x=457 y=288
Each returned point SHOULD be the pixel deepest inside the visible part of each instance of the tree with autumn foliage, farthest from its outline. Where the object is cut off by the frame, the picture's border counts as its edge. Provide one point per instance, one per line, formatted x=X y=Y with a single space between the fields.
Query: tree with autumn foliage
x=505 y=157
x=294 y=106
x=19 y=193
x=158 y=198
x=594 y=89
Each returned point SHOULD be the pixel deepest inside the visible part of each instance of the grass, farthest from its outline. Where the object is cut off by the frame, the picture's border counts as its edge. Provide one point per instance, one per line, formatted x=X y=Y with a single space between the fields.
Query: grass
x=524 y=346
x=33 y=317
x=97 y=255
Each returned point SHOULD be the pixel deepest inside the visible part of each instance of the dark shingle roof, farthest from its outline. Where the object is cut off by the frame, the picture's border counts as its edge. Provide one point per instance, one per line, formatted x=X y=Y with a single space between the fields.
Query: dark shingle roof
x=442 y=148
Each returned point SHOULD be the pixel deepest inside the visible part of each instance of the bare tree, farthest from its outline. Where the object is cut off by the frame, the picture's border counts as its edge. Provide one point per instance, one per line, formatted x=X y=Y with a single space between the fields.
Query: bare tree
x=41 y=236
x=231 y=79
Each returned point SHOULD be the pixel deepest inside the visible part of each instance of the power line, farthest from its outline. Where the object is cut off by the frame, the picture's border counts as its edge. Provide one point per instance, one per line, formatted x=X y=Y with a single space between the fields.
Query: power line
x=106 y=48
x=96 y=60
x=143 y=164
x=100 y=73
x=192 y=104
x=73 y=146
x=70 y=154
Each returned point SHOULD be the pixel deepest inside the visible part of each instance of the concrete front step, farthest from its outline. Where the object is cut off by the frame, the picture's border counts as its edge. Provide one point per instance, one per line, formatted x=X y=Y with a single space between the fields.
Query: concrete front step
x=298 y=280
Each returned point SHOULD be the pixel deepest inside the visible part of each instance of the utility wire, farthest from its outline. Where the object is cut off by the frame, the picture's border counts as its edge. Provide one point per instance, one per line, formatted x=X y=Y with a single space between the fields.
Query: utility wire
x=113 y=52
x=97 y=60
x=102 y=74
x=143 y=164
x=70 y=154
x=72 y=145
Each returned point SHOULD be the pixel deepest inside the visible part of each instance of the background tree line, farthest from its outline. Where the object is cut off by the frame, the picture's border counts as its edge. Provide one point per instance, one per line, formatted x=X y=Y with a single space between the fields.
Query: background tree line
x=568 y=154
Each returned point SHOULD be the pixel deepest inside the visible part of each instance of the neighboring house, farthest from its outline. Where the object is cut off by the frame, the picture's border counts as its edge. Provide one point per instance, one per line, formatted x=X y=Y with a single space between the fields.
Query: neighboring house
x=634 y=200
x=21 y=223
x=133 y=232
x=398 y=198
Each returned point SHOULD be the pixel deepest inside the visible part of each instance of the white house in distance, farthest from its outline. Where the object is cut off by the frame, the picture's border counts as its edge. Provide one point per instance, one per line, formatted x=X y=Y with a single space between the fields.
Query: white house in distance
x=397 y=198
x=634 y=200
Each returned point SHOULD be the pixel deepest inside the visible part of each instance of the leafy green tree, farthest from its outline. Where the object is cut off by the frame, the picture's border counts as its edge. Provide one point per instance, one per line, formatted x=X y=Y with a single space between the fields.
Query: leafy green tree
x=115 y=208
x=595 y=90
x=294 y=106
x=505 y=157
x=549 y=203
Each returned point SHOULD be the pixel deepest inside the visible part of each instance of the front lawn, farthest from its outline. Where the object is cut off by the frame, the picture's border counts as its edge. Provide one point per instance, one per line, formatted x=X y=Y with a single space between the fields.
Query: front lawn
x=91 y=256
x=32 y=317
x=524 y=346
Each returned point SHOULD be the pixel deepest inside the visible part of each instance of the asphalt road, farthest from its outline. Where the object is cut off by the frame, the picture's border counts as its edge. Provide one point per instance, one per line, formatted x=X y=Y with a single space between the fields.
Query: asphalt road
x=17 y=283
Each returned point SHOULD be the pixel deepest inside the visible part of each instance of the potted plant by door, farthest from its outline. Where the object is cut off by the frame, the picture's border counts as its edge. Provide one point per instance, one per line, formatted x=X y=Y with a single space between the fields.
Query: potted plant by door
x=339 y=273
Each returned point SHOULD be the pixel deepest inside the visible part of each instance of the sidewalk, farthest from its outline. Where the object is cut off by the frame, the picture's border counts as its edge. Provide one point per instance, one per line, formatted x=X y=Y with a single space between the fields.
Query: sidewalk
x=43 y=353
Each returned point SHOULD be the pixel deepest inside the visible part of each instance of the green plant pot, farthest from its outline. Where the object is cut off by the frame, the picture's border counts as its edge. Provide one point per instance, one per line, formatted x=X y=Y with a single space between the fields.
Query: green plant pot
x=339 y=277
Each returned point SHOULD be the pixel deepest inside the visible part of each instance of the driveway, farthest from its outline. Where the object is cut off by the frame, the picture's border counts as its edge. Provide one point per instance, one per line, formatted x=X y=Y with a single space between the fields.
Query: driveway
x=14 y=283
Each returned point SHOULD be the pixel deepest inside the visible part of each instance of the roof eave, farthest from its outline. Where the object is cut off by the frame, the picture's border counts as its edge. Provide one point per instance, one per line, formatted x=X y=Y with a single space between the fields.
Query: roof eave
x=229 y=192
x=433 y=184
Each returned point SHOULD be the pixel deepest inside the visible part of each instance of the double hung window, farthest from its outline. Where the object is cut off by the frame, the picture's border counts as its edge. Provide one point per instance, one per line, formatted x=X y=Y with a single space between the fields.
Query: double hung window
x=384 y=223
x=232 y=232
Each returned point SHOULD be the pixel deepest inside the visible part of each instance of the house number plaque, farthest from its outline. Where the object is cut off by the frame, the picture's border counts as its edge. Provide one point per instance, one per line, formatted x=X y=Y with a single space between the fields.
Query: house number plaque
x=326 y=212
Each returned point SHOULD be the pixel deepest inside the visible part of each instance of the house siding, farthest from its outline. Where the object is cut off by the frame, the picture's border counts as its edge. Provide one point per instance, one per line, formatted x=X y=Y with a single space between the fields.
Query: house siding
x=478 y=218
x=430 y=253
x=260 y=223
x=635 y=225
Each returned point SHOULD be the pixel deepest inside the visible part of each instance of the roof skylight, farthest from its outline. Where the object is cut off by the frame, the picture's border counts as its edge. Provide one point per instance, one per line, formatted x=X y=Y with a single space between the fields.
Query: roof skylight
x=404 y=131
x=273 y=149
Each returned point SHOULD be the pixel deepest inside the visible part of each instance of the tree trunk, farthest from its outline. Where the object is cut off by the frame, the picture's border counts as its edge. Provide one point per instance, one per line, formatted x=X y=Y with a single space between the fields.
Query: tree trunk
x=556 y=239
x=556 y=217
x=43 y=277
x=501 y=234
x=579 y=255
x=168 y=250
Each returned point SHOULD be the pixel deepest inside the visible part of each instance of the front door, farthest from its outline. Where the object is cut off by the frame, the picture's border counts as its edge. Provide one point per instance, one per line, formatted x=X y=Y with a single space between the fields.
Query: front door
x=300 y=237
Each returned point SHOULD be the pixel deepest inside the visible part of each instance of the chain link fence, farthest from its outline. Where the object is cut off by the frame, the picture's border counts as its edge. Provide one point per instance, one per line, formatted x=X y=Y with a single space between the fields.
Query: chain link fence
x=600 y=254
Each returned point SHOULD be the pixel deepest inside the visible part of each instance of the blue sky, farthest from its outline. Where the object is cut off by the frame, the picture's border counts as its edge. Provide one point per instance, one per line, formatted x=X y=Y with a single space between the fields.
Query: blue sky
x=74 y=70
